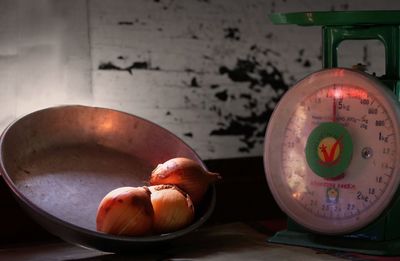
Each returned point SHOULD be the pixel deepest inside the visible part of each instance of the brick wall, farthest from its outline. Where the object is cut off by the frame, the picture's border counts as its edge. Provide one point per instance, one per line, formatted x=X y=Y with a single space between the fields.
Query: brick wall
x=209 y=71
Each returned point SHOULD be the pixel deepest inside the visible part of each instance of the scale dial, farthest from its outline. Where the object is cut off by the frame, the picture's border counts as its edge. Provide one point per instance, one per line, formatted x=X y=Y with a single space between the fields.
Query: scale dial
x=331 y=152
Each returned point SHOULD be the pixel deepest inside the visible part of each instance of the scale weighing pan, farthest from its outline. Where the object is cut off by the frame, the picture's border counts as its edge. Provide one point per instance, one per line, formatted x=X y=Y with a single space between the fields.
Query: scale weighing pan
x=60 y=162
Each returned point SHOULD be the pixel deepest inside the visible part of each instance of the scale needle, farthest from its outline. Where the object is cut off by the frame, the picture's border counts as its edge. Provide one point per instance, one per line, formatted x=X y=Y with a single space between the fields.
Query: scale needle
x=334 y=108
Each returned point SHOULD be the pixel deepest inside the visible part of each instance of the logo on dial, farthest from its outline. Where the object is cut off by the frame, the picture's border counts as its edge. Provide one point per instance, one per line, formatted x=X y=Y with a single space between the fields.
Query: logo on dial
x=329 y=150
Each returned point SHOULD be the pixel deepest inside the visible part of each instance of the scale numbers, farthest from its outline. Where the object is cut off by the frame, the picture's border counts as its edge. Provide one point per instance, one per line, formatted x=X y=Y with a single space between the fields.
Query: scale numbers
x=336 y=137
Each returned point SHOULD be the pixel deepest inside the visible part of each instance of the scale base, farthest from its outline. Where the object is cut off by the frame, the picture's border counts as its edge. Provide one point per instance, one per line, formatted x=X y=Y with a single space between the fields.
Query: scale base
x=369 y=247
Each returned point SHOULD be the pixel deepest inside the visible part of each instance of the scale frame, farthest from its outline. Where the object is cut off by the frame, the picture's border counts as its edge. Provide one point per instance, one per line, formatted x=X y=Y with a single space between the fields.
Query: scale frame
x=382 y=236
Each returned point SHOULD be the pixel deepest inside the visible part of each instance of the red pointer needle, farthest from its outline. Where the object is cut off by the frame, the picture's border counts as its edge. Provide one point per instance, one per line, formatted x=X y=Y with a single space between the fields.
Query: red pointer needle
x=334 y=107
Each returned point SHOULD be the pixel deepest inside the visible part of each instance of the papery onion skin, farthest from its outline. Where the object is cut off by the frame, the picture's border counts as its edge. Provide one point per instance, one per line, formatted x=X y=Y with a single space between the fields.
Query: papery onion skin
x=186 y=174
x=126 y=211
x=173 y=209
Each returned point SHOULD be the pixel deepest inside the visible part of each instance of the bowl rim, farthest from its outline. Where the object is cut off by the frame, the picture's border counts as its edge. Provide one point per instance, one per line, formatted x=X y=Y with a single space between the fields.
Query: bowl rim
x=26 y=202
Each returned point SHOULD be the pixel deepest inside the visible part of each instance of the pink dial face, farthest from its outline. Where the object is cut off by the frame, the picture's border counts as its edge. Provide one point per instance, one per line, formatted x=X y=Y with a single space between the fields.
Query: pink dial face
x=360 y=191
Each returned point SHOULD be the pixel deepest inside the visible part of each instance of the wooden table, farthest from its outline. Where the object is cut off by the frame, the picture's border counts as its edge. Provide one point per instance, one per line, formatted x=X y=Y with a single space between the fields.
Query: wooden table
x=233 y=241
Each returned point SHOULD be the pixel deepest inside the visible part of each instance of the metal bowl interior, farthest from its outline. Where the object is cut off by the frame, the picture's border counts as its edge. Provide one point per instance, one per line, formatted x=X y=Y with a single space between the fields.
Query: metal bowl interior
x=60 y=162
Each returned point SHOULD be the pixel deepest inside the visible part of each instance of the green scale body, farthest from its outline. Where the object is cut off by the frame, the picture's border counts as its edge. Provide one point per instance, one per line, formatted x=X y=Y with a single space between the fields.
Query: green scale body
x=382 y=236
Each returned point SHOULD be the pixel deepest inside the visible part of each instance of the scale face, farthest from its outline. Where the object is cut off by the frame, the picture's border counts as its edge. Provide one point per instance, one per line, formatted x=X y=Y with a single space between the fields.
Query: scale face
x=332 y=151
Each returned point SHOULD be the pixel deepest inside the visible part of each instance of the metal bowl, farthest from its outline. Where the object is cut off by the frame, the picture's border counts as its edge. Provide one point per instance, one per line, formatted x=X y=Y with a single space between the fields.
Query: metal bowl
x=60 y=162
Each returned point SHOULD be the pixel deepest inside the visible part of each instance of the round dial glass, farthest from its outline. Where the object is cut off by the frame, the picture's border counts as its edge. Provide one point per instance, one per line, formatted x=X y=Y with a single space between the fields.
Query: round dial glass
x=331 y=151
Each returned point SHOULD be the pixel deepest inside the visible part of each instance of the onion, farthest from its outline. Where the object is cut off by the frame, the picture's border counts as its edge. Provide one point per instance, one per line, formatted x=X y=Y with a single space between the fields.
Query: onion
x=185 y=173
x=173 y=208
x=126 y=211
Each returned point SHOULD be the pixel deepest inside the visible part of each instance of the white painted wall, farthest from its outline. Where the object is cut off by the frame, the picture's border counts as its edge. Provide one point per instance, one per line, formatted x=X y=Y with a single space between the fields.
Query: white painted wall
x=44 y=55
x=56 y=52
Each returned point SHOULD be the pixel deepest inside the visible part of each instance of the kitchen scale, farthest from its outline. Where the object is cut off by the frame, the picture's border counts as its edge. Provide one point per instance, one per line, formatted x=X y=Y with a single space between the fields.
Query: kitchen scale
x=332 y=145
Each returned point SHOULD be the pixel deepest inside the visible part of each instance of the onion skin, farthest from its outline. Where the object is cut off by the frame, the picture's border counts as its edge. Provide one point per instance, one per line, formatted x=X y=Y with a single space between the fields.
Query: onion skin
x=186 y=174
x=126 y=211
x=173 y=209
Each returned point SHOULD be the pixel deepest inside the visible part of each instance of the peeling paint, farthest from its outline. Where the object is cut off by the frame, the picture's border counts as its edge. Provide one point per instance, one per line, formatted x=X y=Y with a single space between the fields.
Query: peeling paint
x=194 y=83
x=222 y=96
x=140 y=65
x=125 y=23
x=232 y=33
x=188 y=134
x=250 y=128
x=306 y=63
x=222 y=72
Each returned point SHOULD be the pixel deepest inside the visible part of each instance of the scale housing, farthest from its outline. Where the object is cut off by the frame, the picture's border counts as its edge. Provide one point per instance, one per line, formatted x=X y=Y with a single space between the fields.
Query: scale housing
x=382 y=236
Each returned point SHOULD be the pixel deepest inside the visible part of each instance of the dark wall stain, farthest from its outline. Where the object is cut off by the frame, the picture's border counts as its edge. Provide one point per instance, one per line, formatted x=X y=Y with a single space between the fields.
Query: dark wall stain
x=125 y=23
x=164 y=4
x=236 y=128
x=301 y=60
x=214 y=86
x=252 y=104
x=223 y=95
x=319 y=57
x=245 y=96
x=272 y=8
x=140 y=65
x=250 y=129
x=264 y=52
x=109 y=66
x=188 y=134
x=306 y=63
x=269 y=35
x=240 y=73
x=232 y=33
x=217 y=110
x=189 y=70
x=366 y=60
x=136 y=21
x=194 y=83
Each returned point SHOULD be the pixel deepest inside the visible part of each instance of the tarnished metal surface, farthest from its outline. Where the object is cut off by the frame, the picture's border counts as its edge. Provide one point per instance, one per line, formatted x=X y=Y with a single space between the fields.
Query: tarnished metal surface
x=60 y=162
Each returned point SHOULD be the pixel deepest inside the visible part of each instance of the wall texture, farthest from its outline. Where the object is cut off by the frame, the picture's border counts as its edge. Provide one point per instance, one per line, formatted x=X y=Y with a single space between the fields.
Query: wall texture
x=210 y=71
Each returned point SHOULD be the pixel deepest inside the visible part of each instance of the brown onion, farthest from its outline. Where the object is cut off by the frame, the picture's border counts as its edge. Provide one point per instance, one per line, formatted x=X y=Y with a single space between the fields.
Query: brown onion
x=185 y=173
x=126 y=211
x=173 y=208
